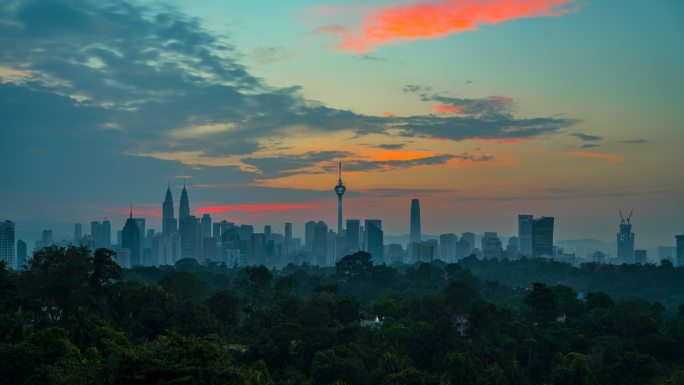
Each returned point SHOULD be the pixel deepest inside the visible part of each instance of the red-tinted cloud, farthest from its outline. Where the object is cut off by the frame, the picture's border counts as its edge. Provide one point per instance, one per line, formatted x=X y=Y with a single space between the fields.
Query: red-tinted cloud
x=389 y=113
x=438 y=19
x=447 y=109
x=610 y=158
x=252 y=208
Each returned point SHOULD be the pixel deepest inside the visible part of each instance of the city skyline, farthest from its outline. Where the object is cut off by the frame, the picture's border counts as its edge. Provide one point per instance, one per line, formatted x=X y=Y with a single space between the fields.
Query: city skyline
x=544 y=109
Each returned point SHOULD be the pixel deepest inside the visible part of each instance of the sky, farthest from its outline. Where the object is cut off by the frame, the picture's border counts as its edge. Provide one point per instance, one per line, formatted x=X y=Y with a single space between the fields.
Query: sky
x=482 y=109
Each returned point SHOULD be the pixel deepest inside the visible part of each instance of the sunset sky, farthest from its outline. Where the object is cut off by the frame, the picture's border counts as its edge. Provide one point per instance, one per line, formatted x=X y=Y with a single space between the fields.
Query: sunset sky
x=483 y=109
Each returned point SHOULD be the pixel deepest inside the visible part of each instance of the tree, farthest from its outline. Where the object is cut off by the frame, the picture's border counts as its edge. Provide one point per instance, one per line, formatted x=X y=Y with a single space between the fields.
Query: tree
x=225 y=307
x=542 y=304
x=355 y=266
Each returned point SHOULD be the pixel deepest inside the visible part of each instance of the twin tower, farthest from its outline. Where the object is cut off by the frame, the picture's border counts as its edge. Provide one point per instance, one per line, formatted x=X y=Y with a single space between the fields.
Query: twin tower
x=169 y=222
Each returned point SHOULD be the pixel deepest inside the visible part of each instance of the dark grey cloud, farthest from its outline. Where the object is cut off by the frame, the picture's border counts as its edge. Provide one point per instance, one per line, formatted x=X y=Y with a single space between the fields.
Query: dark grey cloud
x=387 y=165
x=391 y=146
x=590 y=145
x=110 y=81
x=399 y=192
x=279 y=166
x=587 y=138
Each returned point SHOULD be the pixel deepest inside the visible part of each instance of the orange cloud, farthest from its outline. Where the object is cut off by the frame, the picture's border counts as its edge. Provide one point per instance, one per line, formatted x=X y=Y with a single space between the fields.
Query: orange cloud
x=447 y=109
x=389 y=113
x=438 y=19
x=610 y=158
x=252 y=208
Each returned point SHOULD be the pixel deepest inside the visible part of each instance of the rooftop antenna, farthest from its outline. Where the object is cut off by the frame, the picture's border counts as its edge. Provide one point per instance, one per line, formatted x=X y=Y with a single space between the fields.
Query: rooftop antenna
x=131 y=215
x=340 y=170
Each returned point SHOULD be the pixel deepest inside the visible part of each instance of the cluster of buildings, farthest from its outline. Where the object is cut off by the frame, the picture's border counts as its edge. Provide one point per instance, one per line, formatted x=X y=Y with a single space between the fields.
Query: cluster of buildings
x=203 y=239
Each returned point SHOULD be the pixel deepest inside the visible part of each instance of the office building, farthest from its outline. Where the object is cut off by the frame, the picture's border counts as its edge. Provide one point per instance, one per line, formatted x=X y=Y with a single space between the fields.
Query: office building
x=106 y=233
x=491 y=246
x=525 y=234
x=7 y=254
x=205 y=223
x=353 y=235
x=190 y=237
x=22 y=254
x=415 y=235
x=78 y=233
x=373 y=239
x=184 y=207
x=46 y=238
x=287 y=242
x=640 y=257
x=309 y=228
x=131 y=241
x=447 y=247
x=542 y=237
x=320 y=244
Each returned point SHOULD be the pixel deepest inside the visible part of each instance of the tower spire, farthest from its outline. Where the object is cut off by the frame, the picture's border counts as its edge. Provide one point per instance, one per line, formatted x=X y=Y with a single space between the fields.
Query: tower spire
x=131 y=214
x=340 y=171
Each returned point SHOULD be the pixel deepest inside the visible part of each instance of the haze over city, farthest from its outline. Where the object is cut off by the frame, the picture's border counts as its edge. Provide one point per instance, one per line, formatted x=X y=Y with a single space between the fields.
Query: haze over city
x=558 y=108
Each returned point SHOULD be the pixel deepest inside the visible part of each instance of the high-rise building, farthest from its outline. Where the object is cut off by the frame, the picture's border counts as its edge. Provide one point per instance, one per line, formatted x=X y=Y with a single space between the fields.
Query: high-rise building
x=7 y=244
x=46 y=238
x=491 y=246
x=190 y=237
x=22 y=254
x=141 y=227
x=339 y=190
x=373 y=240
x=169 y=224
x=680 y=249
x=542 y=237
x=416 y=235
x=353 y=233
x=525 y=234
x=309 y=228
x=257 y=249
x=184 y=207
x=625 y=240
x=106 y=233
x=96 y=234
x=287 y=243
x=320 y=243
x=78 y=233
x=206 y=226
x=447 y=247
x=640 y=257
x=131 y=240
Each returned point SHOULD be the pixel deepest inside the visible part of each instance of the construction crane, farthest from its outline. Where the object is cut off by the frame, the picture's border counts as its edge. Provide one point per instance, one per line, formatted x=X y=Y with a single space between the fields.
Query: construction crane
x=629 y=217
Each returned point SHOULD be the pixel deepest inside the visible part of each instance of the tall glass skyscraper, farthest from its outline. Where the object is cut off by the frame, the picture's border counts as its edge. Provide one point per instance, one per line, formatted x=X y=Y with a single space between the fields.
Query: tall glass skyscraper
x=7 y=244
x=525 y=234
x=416 y=235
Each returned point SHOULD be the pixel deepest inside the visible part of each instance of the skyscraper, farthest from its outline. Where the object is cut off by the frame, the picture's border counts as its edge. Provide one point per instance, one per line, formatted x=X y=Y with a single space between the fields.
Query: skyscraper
x=542 y=237
x=106 y=233
x=416 y=235
x=190 y=237
x=78 y=234
x=320 y=243
x=374 y=241
x=22 y=254
x=680 y=249
x=96 y=234
x=339 y=190
x=287 y=243
x=353 y=235
x=206 y=226
x=309 y=235
x=184 y=207
x=169 y=224
x=47 y=238
x=7 y=244
x=625 y=240
x=525 y=234
x=447 y=247
x=491 y=246
x=130 y=240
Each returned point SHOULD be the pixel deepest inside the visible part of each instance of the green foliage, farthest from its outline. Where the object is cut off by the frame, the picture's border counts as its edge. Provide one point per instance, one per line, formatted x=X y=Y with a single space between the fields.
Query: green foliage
x=72 y=318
